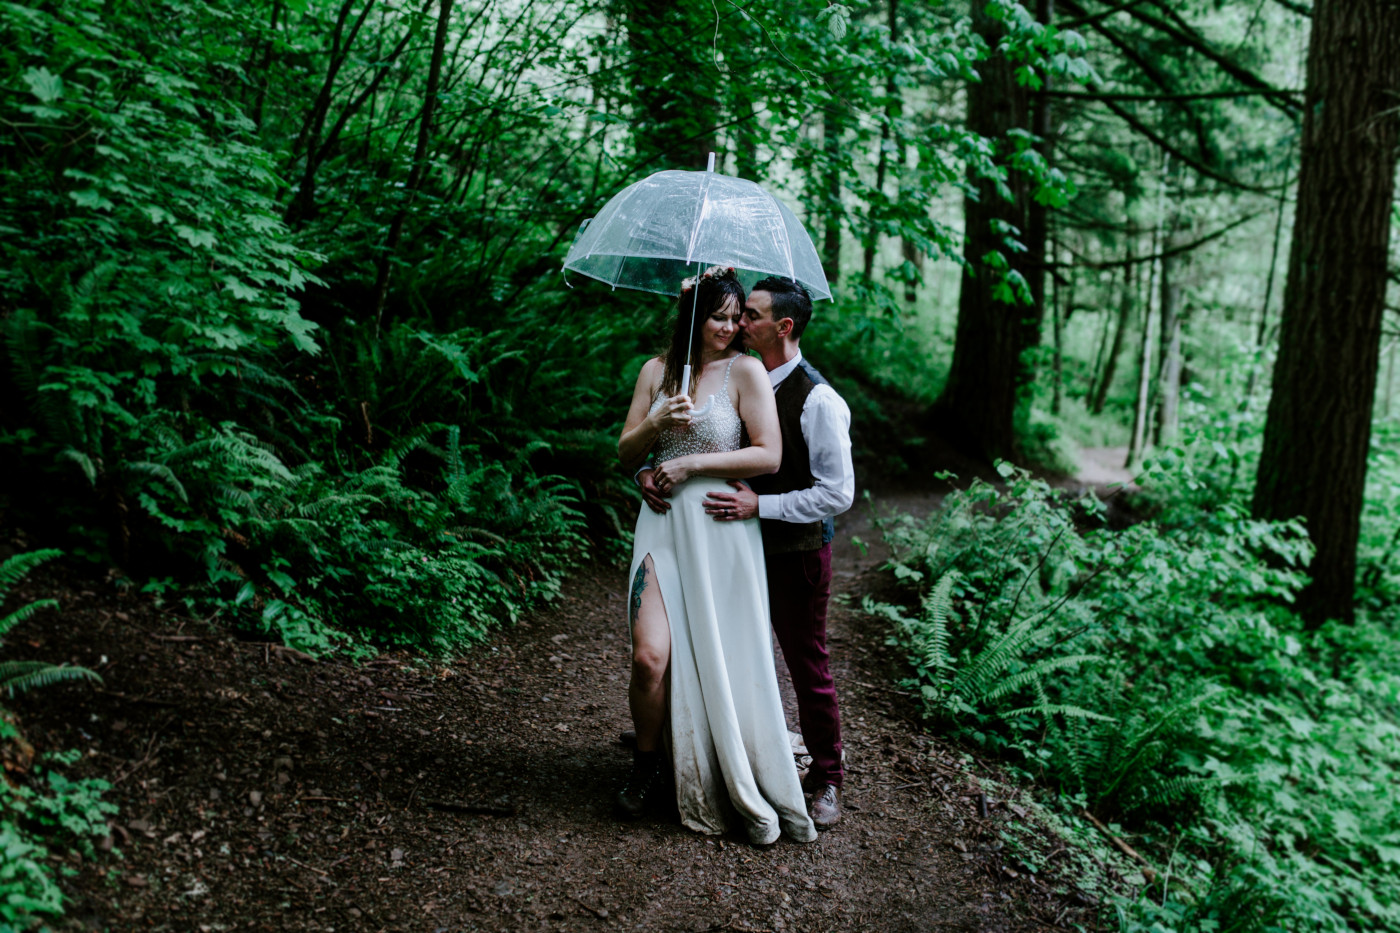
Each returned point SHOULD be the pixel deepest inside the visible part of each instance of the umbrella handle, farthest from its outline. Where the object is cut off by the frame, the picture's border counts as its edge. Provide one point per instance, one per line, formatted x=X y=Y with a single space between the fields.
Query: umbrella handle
x=695 y=413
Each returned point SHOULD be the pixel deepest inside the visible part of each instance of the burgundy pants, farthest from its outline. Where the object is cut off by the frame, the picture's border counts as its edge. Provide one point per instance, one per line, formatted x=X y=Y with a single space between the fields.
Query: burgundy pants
x=799 y=588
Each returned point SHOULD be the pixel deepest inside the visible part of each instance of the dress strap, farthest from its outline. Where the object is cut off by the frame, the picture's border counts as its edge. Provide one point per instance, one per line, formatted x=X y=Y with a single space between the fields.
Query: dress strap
x=725 y=387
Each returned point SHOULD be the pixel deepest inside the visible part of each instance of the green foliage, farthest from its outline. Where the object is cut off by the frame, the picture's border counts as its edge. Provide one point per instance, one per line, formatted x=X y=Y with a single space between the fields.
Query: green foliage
x=60 y=811
x=1156 y=673
x=18 y=676
x=50 y=811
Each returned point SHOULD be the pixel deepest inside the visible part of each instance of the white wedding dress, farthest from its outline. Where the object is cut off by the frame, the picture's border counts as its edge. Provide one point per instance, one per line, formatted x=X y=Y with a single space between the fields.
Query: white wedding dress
x=729 y=740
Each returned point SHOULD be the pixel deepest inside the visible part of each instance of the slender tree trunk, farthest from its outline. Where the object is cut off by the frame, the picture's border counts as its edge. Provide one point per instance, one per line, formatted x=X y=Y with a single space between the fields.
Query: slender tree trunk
x=833 y=126
x=872 y=235
x=419 y=170
x=1138 y=441
x=303 y=206
x=675 y=106
x=979 y=401
x=1318 y=431
x=1120 y=333
x=261 y=76
x=1037 y=215
x=746 y=133
x=912 y=255
x=1058 y=311
x=1169 y=347
x=1389 y=378
x=1105 y=331
x=1261 y=336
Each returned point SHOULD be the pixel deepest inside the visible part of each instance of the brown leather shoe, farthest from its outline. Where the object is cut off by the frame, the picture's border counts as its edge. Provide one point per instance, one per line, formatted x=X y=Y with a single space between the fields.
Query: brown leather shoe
x=826 y=806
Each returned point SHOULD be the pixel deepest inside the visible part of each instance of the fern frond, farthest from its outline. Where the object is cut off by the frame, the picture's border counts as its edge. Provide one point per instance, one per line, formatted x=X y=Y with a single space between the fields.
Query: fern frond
x=159 y=472
x=1036 y=672
x=974 y=681
x=25 y=612
x=1057 y=709
x=1173 y=791
x=18 y=676
x=17 y=567
x=83 y=461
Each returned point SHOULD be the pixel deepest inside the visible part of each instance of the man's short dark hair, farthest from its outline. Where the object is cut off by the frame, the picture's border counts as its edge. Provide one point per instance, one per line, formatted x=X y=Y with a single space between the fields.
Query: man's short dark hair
x=790 y=300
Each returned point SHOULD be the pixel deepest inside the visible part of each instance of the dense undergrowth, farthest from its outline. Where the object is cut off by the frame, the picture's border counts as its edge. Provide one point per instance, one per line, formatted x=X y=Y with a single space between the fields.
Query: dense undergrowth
x=1157 y=676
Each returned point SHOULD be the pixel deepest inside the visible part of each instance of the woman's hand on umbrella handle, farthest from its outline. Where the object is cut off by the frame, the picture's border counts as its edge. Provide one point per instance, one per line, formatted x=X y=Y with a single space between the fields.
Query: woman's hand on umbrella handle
x=673 y=413
x=671 y=473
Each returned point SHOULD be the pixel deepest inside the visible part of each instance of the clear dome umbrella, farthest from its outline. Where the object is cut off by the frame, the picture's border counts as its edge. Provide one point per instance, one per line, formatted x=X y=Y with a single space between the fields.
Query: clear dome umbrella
x=670 y=225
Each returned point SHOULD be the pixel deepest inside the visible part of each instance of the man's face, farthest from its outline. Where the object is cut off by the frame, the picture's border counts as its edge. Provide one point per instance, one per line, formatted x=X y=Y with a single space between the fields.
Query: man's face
x=760 y=330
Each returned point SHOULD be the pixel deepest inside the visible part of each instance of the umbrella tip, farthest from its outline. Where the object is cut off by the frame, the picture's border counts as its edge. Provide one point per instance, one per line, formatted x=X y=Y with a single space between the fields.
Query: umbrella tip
x=710 y=165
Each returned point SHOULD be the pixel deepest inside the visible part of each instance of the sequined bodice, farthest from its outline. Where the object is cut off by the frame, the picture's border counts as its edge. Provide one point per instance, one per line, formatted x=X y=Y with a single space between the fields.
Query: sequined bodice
x=717 y=432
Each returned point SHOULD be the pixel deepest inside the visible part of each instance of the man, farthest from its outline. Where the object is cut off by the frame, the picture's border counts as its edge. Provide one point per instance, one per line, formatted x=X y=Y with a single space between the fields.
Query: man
x=795 y=507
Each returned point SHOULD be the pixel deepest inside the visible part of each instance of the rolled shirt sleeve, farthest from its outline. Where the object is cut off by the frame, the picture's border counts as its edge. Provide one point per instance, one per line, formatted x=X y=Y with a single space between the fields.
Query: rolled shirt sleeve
x=826 y=427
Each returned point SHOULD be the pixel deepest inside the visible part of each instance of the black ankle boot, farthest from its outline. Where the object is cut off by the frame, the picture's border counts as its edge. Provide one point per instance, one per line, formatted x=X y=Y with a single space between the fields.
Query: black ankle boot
x=642 y=785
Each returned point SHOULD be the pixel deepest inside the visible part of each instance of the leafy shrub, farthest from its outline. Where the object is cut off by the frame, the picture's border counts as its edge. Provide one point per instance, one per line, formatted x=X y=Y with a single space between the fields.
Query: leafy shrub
x=1157 y=673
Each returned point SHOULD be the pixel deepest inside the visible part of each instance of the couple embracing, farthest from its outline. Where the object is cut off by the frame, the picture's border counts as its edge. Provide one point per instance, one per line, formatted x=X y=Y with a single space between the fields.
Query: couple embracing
x=715 y=561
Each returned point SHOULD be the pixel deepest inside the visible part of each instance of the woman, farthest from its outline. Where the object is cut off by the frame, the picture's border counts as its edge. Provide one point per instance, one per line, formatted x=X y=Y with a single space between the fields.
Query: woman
x=699 y=606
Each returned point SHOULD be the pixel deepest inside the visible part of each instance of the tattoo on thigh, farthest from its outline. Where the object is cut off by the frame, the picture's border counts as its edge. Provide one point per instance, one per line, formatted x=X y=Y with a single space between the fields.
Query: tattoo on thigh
x=639 y=583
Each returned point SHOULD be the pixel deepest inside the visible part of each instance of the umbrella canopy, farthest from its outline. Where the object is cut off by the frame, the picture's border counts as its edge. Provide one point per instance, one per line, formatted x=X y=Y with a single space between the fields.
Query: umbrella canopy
x=657 y=231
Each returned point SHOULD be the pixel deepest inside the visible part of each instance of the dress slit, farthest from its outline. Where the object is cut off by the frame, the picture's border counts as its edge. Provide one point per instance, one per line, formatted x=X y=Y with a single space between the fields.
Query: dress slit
x=727 y=734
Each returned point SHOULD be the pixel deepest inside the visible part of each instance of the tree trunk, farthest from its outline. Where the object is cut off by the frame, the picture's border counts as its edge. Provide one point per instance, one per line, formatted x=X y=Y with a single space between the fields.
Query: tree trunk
x=1120 y=333
x=1262 y=335
x=747 y=134
x=262 y=75
x=979 y=401
x=1037 y=229
x=872 y=234
x=675 y=106
x=915 y=258
x=1318 y=430
x=1389 y=378
x=832 y=128
x=418 y=171
x=1105 y=332
x=1138 y=441
x=1169 y=348
x=1058 y=311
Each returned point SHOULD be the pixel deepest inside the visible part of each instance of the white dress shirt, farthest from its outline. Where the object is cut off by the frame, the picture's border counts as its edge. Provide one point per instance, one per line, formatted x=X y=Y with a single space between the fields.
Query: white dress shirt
x=826 y=428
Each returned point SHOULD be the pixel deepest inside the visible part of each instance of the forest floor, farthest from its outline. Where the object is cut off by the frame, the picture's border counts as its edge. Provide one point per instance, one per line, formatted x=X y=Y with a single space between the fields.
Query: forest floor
x=261 y=791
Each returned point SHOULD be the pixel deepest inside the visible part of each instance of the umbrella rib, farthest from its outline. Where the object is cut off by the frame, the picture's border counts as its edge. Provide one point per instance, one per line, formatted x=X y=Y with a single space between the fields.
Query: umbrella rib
x=699 y=217
x=787 y=240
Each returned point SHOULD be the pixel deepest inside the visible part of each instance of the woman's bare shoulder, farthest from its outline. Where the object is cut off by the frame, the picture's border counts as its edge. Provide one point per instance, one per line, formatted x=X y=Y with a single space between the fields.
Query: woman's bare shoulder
x=750 y=367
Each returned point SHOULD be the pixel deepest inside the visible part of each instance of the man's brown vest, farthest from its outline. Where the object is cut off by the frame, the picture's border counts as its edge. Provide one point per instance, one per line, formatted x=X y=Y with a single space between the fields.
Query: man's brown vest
x=795 y=471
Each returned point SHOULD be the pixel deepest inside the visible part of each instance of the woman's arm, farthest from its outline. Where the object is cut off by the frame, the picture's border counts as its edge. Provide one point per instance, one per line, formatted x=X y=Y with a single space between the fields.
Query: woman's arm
x=760 y=414
x=640 y=430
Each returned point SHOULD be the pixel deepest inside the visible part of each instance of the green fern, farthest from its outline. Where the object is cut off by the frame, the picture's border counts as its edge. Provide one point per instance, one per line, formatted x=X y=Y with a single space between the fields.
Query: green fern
x=16 y=676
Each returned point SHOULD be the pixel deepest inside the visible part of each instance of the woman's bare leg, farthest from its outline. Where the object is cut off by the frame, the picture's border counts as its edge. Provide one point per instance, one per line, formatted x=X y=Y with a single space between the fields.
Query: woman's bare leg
x=651 y=654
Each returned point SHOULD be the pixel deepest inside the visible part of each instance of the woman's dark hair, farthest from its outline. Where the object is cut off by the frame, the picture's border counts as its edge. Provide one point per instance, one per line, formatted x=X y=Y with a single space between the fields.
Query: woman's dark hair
x=790 y=300
x=716 y=286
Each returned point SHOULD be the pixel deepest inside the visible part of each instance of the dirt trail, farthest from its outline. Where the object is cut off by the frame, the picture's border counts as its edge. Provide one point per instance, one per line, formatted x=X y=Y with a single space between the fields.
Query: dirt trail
x=259 y=792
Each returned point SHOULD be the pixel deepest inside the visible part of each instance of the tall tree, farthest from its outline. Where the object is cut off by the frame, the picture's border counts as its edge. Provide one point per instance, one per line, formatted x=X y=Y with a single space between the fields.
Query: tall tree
x=1318 y=430
x=979 y=400
x=675 y=114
